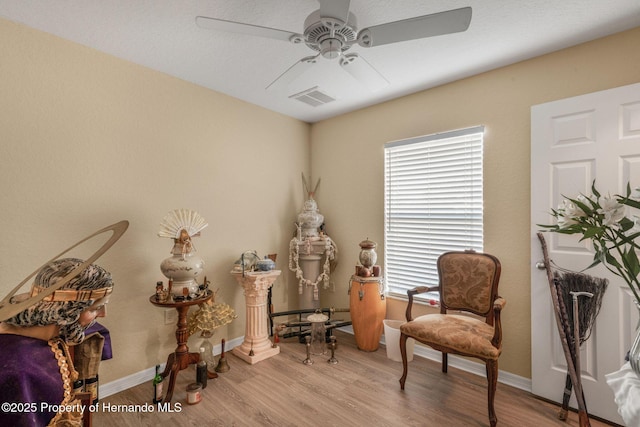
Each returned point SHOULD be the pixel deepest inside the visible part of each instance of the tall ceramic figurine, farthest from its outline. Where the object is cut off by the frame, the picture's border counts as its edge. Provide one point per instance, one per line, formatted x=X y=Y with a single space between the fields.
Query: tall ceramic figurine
x=184 y=265
x=311 y=252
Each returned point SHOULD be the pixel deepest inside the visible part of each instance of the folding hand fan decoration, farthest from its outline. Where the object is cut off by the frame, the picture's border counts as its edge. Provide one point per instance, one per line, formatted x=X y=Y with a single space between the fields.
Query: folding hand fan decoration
x=184 y=265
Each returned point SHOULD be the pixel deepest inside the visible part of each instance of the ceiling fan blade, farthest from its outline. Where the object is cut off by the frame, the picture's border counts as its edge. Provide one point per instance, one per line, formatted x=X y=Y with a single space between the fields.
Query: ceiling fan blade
x=252 y=30
x=338 y=9
x=362 y=71
x=293 y=72
x=452 y=21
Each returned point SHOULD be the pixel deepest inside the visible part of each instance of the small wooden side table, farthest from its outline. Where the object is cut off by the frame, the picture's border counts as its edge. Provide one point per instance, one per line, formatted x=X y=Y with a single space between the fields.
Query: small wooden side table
x=181 y=358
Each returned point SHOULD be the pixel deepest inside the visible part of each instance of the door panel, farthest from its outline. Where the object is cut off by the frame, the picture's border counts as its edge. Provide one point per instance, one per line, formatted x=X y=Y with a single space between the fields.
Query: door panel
x=574 y=142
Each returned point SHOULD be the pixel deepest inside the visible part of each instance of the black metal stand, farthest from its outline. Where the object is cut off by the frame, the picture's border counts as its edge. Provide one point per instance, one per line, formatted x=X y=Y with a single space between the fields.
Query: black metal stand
x=302 y=328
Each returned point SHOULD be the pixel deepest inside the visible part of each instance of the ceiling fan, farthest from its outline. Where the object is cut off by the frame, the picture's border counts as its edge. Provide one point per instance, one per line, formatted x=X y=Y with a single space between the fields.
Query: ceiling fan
x=332 y=31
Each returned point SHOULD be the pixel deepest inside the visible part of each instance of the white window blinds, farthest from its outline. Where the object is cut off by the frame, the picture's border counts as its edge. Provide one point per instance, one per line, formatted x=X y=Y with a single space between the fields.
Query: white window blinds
x=433 y=204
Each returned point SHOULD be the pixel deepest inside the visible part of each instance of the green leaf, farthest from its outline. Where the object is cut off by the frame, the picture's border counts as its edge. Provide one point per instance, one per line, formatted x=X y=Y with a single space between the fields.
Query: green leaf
x=595 y=262
x=593 y=189
x=626 y=224
x=611 y=260
x=630 y=202
x=547 y=226
x=592 y=231
x=631 y=262
x=588 y=210
x=632 y=237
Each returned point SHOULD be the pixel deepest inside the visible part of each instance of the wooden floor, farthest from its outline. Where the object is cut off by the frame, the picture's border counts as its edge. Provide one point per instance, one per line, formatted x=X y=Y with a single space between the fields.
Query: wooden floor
x=361 y=390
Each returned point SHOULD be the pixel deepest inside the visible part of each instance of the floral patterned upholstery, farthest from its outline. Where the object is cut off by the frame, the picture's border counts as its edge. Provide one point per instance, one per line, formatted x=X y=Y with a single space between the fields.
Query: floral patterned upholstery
x=465 y=280
x=461 y=334
x=468 y=285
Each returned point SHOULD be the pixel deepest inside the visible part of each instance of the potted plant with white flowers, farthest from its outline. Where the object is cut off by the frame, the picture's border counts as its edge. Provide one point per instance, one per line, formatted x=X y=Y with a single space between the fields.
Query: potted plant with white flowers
x=612 y=224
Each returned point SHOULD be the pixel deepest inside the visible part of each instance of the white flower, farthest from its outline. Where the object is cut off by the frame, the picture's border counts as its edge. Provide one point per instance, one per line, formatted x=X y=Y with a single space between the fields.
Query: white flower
x=564 y=222
x=585 y=200
x=565 y=216
x=571 y=210
x=599 y=221
x=568 y=212
x=612 y=210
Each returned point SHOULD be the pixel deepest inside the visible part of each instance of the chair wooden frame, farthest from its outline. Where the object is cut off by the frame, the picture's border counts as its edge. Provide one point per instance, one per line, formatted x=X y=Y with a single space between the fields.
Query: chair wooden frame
x=87 y=400
x=491 y=317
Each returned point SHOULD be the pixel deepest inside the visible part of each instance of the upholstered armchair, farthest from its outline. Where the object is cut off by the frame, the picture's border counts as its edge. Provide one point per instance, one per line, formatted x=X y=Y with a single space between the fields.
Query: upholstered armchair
x=469 y=320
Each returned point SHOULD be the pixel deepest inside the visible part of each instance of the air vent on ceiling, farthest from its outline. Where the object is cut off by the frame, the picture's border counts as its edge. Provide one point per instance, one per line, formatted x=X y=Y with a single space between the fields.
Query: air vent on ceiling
x=313 y=97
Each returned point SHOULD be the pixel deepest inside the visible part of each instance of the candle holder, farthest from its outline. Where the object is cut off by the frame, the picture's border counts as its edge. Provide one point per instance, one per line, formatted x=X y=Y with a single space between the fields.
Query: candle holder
x=332 y=346
x=308 y=360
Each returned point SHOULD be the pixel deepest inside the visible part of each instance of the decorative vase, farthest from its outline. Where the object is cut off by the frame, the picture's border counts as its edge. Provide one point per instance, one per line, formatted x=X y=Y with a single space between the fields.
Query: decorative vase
x=310 y=219
x=183 y=267
x=368 y=256
x=634 y=352
x=266 y=264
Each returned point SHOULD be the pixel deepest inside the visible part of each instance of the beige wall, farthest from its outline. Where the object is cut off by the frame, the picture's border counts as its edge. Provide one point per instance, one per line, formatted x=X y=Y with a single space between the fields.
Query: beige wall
x=87 y=140
x=347 y=153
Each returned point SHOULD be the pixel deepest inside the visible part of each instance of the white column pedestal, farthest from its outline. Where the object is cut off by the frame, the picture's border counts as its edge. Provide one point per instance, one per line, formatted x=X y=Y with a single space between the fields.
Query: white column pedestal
x=256 y=345
x=311 y=257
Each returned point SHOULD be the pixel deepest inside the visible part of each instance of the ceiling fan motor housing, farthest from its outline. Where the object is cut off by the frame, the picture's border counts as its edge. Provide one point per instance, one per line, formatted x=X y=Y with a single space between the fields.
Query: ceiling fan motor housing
x=329 y=36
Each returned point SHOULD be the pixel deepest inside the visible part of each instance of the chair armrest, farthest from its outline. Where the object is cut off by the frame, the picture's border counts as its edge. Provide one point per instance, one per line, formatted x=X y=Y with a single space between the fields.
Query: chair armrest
x=414 y=291
x=498 y=305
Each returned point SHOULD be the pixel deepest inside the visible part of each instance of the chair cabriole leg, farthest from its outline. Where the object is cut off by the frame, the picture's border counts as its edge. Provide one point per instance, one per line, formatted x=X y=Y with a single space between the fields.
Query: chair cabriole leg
x=492 y=381
x=403 y=353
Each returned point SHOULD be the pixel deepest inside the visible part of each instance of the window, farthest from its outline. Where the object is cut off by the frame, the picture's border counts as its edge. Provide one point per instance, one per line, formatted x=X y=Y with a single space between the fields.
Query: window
x=433 y=204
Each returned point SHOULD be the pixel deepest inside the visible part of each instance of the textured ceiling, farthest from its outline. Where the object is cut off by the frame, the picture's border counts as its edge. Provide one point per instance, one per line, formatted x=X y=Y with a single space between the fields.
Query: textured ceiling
x=163 y=35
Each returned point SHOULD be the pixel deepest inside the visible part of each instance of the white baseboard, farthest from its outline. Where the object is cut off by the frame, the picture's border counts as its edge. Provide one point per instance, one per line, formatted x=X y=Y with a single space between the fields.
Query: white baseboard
x=421 y=351
x=147 y=375
x=473 y=367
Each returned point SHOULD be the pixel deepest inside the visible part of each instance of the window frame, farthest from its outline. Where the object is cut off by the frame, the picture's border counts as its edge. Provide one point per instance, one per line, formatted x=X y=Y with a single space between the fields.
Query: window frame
x=443 y=156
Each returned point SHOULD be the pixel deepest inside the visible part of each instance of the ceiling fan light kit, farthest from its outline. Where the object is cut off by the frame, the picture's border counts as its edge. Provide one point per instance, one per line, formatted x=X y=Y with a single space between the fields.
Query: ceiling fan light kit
x=332 y=30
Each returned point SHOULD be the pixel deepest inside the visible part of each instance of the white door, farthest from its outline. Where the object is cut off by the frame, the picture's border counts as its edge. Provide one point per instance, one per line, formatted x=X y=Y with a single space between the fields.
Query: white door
x=573 y=142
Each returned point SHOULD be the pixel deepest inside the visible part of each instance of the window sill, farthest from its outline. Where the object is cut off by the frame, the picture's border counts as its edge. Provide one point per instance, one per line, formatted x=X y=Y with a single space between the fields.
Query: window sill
x=432 y=299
